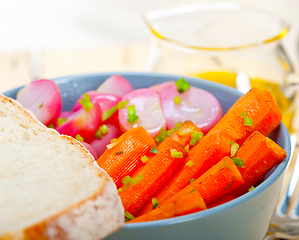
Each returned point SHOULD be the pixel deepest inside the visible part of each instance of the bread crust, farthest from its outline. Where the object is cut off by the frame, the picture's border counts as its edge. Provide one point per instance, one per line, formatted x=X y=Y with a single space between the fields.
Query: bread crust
x=93 y=218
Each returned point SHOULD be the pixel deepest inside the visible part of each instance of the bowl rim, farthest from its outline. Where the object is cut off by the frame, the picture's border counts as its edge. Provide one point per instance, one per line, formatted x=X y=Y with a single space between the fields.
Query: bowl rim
x=208 y=212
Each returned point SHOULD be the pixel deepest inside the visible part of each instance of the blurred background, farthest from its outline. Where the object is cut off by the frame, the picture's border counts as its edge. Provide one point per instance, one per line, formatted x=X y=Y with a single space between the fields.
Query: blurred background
x=54 y=38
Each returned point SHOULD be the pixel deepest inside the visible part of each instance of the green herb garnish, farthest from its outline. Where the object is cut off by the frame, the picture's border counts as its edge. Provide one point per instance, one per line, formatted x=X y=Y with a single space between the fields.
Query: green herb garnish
x=51 y=126
x=79 y=138
x=190 y=163
x=247 y=121
x=103 y=130
x=85 y=102
x=192 y=180
x=155 y=202
x=120 y=152
x=234 y=148
x=144 y=159
x=175 y=154
x=40 y=106
x=129 y=216
x=61 y=121
x=195 y=137
x=238 y=162
x=132 y=117
x=177 y=100
x=153 y=149
x=251 y=188
x=112 y=110
x=182 y=85
x=125 y=180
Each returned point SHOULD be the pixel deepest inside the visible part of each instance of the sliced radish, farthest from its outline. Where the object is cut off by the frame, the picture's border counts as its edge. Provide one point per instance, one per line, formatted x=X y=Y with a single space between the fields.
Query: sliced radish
x=195 y=104
x=90 y=149
x=148 y=110
x=82 y=122
x=99 y=144
x=106 y=102
x=43 y=99
x=117 y=85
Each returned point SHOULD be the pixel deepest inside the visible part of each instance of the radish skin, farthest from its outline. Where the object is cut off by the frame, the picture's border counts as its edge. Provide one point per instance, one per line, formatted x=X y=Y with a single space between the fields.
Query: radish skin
x=117 y=85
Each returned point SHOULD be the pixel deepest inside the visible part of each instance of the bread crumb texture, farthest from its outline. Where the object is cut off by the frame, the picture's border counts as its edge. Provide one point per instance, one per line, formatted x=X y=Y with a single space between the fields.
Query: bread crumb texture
x=50 y=186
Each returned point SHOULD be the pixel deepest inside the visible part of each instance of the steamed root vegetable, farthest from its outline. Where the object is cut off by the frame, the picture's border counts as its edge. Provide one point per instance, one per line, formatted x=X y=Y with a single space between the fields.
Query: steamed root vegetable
x=84 y=122
x=169 y=157
x=43 y=99
x=143 y=109
x=186 y=204
x=214 y=183
x=106 y=102
x=254 y=111
x=117 y=85
x=123 y=156
x=102 y=139
x=194 y=104
x=90 y=149
x=258 y=155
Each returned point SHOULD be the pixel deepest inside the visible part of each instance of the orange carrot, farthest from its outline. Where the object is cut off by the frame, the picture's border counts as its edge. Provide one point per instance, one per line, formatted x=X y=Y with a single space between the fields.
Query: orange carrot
x=153 y=176
x=186 y=133
x=188 y=203
x=224 y=199
x=254 y=111
x=214 y=183
x=259 y=155
x=208 y=152
x=123 y=157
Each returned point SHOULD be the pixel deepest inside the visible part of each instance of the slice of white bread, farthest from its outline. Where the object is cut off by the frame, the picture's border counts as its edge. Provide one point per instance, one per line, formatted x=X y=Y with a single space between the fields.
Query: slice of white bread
x=50 y=185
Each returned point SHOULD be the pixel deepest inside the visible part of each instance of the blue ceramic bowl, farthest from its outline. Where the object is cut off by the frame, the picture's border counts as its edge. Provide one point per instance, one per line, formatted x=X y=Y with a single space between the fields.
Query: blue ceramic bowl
x=246 y=217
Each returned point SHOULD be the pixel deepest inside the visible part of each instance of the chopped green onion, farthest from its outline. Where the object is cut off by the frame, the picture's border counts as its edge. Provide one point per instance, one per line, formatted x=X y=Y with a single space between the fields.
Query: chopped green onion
x=177 y=100
x=232 y=142
x=234 y=148
x=251 y=188
x=40 y=106
x=175 y=154
x=112 y=110
x=79 y=138
x=125 y=180
x=109 y=113
x=122 y=104
x=247 y=121
x=155 y=205
x=51 y=126
x=192 y=180
x=98 y=134
x=195 y=137
x=162 y=135
x=136 y=179
x=193 y=190
x=238 y=162
x=155 y=202
x=86 y=103
x=182 y=85
x=153 y=149
x=61 y=121
x=144 y=159
x=129 y=216
x=187 y=148
x=104 y=129
x=190 y=163
x=132 y=117
x=120 y=152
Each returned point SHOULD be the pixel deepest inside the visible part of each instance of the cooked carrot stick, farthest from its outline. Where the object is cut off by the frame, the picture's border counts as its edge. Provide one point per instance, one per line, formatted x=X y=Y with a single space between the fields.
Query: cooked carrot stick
x=187 y=134
x=188 y=203
x=208 y=152
x=214 y=183
x=259 y=155
x=123 y=157
x=224 y=199
x=154 y=174
x=254 y=111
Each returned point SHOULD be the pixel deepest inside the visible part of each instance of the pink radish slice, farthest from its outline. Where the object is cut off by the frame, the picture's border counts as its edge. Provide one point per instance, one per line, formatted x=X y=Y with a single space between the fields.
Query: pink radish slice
x=197 y=105
x=99 y=144
x=43 y=99
x=63 y=116
x=84 y=123
x=148 y=108
x=106 y=101
x=117 y=85
x=90 y=149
